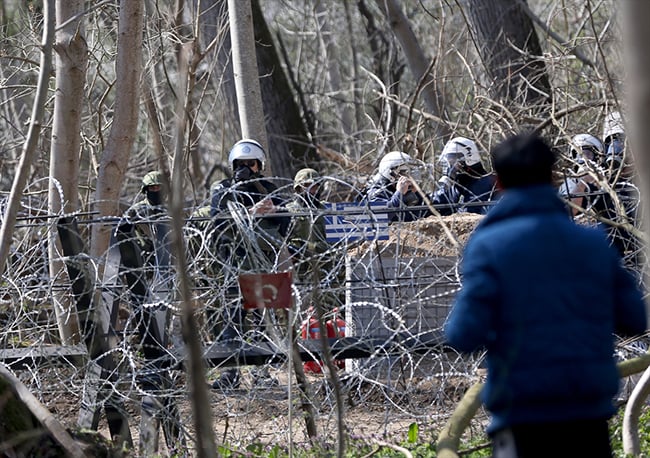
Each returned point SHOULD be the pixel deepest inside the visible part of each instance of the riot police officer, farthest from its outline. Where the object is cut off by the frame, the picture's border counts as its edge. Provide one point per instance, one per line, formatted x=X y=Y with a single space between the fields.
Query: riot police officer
x=145 y=213
x=580 y=183
x=465 y=181
x=245 y=198
x=393 y=185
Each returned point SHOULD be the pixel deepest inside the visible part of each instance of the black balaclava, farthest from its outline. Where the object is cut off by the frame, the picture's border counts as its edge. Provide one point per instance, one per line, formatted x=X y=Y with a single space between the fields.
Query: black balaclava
x=154 y=197
x=311 y=199
x=243 y=173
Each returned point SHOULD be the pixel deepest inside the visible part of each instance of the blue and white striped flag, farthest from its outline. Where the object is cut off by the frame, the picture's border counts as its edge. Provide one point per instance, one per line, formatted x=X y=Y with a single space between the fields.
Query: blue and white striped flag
x=351 y=221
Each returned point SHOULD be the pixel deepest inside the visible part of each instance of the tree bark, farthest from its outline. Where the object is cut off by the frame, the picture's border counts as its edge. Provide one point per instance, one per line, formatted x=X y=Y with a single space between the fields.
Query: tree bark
x=285 y=128
x=39 y=412
x=115 y=158
x=327 y=37
x=637 y=34
x=511 y=53
x=71 y=60
x=449 y=437
x=287 y=135
x=247 y=84
x=418 y=63
x=202 y=414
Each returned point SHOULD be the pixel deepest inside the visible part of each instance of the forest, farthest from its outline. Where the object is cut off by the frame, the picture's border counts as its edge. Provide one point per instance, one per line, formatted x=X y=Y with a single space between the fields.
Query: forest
x=95 y=95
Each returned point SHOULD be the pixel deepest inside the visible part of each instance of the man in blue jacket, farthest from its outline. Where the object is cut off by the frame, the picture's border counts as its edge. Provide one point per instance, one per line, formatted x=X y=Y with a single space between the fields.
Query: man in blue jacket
x=546 y=321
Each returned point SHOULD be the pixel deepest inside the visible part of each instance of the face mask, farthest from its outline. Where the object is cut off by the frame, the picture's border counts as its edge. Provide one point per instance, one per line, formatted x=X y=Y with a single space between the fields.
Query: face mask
x=311 y=199
x=154 y=197
x=452 y=165
x=242 y=173
x=411 y=198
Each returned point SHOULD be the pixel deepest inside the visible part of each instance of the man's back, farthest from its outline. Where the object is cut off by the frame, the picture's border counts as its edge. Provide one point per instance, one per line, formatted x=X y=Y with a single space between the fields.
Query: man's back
x=544 y=296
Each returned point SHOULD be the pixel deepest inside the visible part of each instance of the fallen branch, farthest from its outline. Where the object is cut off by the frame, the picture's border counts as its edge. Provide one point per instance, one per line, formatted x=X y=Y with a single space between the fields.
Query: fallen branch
x=42 y=415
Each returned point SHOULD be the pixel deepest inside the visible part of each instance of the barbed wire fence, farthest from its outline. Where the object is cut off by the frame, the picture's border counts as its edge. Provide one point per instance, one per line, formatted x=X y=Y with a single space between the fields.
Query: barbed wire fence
x=392 y=293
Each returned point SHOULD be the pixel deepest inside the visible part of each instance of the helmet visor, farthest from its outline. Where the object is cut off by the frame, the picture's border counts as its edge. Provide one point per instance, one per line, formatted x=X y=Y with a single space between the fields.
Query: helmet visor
x=587 y=153
x=246 y=163
x=449 y=162
x=400 y=170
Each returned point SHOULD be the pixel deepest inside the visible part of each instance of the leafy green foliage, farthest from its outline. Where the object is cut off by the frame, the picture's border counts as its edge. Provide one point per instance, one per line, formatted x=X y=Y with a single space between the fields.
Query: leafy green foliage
x=616 y=432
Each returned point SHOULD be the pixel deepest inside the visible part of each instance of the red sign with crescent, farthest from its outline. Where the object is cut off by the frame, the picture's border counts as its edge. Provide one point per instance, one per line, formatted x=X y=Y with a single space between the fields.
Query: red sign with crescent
x=266 y=290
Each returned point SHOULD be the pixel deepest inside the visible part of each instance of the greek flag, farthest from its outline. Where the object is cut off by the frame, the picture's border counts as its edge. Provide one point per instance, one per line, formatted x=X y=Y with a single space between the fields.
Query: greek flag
x=351 y=221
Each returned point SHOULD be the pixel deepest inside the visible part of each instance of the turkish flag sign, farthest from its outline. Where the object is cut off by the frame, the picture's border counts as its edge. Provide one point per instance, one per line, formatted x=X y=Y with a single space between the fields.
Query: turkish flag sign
x=267 y=290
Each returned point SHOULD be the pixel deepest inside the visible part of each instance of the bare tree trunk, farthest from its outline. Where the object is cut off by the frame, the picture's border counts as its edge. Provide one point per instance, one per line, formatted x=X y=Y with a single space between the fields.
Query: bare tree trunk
x=31 y=141
x=247 y=84
x=635 y=24
x=44 y=417
x=418 y=63
x=387 y=70
x=287 y=140
x=358 y=113
x=638 y=64
x=71 y=62
x=114 y=160
x=194 y=163
x=633 y=409
x=510 y=51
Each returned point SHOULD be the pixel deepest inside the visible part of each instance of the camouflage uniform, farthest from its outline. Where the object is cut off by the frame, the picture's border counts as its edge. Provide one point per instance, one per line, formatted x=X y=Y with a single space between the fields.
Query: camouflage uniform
x=315 y=266
x=145 y=216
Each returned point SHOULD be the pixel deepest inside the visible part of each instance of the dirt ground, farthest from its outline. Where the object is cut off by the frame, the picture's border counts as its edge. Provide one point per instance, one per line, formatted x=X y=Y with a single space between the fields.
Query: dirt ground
x=251 y=415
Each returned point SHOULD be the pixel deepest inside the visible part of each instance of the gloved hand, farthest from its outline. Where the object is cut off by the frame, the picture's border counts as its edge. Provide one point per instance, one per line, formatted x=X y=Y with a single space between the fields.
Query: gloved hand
x=455 y=170
x=445 y=182
x=588 y=174
x=263 y=207
x=242 y=173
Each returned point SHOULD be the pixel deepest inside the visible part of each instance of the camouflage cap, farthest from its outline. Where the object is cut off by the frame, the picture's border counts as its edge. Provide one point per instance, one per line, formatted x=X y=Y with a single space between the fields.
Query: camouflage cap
x=305 y=178
x=152 y=179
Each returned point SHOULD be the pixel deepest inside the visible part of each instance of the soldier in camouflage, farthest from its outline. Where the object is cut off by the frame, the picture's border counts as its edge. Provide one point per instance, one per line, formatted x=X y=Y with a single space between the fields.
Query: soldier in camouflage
x=145 y=213
x=307 y=229
x=315 y=265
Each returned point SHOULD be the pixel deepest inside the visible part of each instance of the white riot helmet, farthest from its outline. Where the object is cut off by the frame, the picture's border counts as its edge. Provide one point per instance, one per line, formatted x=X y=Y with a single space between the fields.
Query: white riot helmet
x=463 y=149
x=586 y=146
x=395 y=163
x=614 y=136
x=457 y=153
x=247 y=149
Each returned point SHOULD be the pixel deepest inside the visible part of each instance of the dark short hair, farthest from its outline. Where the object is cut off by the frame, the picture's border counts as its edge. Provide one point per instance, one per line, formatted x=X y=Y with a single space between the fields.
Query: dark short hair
x=523 y=160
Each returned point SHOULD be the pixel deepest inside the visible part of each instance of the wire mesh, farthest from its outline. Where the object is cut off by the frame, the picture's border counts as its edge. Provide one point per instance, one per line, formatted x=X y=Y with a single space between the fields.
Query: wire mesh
x=393 y=295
